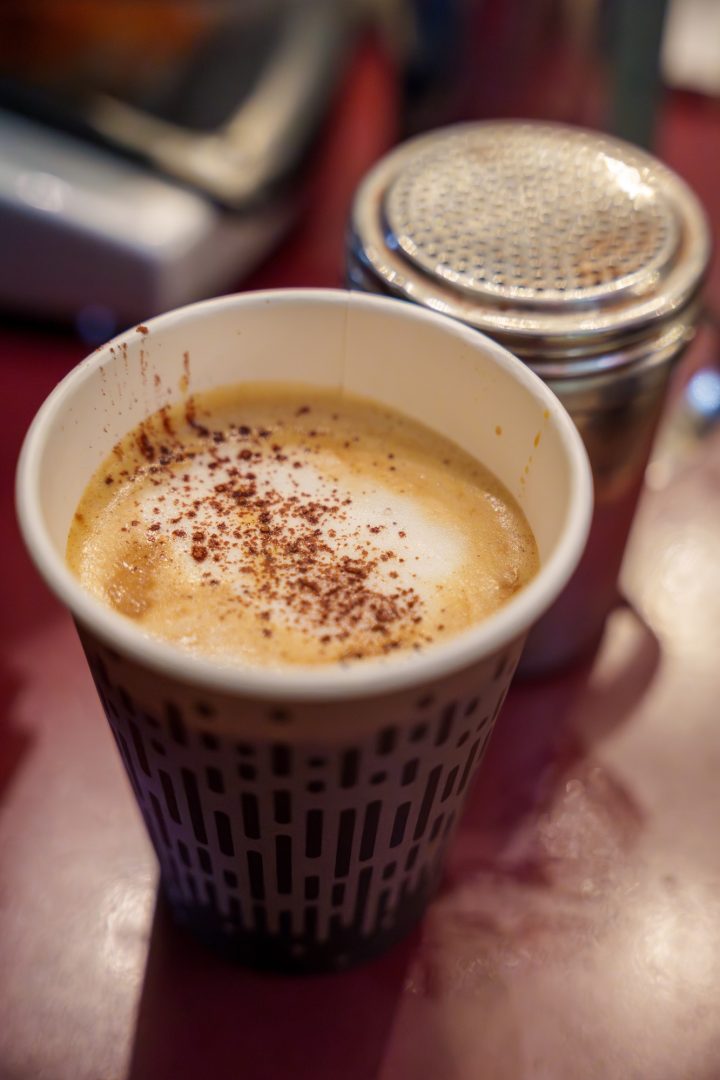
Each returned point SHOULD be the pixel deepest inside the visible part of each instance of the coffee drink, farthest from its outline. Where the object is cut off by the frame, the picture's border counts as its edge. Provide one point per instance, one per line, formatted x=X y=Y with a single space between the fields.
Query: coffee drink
x=275 y=525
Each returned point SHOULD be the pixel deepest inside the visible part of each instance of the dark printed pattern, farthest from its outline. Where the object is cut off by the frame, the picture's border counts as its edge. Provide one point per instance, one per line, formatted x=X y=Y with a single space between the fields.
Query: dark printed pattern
x=292 y=855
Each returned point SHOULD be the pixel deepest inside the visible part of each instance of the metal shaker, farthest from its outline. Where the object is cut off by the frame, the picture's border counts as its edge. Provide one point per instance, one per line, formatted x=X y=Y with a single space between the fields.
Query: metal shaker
x=582 y=255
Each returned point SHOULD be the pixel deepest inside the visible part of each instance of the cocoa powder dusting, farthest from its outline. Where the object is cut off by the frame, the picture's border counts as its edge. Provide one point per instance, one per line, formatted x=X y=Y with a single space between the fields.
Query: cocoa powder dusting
x=278 y=541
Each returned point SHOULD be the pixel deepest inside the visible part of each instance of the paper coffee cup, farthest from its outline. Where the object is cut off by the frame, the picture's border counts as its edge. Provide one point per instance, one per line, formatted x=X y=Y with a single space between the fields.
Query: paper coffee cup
x=301 y=816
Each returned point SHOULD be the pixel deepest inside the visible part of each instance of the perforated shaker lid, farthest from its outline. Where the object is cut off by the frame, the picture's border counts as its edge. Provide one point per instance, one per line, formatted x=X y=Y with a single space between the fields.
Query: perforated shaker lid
x=554 y=239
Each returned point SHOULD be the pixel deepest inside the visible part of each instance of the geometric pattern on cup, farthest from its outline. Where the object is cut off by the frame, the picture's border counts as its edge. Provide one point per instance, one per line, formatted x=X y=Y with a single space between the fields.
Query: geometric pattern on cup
x=317 y=853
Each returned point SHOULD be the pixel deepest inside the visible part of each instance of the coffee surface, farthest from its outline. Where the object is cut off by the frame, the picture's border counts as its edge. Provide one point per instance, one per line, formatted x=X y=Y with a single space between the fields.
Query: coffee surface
x=277 y=525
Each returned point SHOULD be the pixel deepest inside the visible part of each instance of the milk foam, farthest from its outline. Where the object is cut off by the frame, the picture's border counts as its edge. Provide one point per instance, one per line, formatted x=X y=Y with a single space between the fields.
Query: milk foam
x=430 y=552
x=288 y=539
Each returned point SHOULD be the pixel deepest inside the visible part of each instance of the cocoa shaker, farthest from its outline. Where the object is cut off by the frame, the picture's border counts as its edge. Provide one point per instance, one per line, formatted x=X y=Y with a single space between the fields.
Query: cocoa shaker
x=581 y=254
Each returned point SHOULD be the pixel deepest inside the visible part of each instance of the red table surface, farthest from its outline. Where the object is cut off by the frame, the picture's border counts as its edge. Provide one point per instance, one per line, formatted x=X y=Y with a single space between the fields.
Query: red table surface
x=577 y=934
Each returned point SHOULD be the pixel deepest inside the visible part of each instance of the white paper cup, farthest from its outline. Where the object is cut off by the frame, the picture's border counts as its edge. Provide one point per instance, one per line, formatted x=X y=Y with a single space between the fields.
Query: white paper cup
x=300 y=817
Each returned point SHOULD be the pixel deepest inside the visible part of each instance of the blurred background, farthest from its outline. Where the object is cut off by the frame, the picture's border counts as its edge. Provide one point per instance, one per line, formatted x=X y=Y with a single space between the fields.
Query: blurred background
x=153 y=152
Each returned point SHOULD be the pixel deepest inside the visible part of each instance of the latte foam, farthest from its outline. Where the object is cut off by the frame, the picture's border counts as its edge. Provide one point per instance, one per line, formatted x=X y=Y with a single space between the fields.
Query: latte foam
x=285 y=525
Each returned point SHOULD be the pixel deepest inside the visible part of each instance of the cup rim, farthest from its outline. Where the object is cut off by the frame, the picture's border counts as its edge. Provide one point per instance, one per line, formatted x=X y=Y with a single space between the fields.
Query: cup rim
x=324 y=682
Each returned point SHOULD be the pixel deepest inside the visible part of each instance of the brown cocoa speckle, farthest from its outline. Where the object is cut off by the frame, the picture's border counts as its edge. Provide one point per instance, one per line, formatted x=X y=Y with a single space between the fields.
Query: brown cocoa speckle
x=146 y=447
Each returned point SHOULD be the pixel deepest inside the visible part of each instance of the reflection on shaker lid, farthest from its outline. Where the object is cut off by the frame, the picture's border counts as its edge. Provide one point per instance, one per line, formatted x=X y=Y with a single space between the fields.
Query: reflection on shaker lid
x=551 y=238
